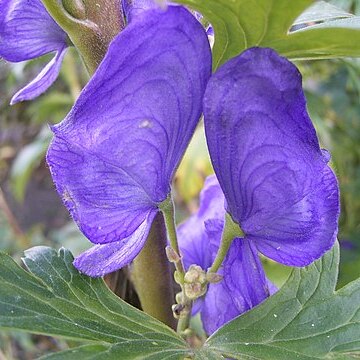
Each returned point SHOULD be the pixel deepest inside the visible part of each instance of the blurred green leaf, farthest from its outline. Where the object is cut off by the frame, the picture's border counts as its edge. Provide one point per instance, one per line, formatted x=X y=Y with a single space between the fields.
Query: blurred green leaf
x=194 y=168
x=55 y=299
x=28 y=158
x=50 y=108
x=305 y=319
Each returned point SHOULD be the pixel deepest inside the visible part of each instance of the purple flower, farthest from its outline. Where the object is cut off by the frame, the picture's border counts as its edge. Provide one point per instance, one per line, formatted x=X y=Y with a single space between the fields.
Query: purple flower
x=244 y=284
x=277 y=184
x=263 y=146
x=114 y=155
x=27 y=31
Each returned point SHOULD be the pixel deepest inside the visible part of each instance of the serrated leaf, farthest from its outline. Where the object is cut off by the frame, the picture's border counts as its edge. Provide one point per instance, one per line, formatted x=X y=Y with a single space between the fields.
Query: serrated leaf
x=240 y=24
x=54 y=299
x=305 y=319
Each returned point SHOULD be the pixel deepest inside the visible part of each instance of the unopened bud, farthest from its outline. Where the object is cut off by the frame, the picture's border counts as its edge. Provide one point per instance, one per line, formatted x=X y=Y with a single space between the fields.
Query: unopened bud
x=179 y=279
x=195 y=274
x=177 y=309
x=195 y=282
x=194 y=290
x=172 y=255
x=213 y=278
x=179 y=298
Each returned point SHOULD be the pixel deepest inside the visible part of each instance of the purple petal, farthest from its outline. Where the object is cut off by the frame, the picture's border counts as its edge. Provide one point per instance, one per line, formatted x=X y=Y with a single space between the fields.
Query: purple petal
x=115 y=153
x=104 y=259
x=133 y=8
x=307 y=229
x=27 y=30
x=43 y=81
x=193 y=235
x=267 y=158
x=244 y=286
x=103 y=199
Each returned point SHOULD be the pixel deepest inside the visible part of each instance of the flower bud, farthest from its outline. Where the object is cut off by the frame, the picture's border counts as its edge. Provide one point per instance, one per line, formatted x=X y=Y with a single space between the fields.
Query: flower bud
x=195 y=282
x=172 y=255
x=213 y=278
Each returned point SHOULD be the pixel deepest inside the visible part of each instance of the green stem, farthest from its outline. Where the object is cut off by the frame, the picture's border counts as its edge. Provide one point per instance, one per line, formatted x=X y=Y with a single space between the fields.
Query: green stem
x=151 y=274
x=167 y=208
x=230 y=232
x=93 y=34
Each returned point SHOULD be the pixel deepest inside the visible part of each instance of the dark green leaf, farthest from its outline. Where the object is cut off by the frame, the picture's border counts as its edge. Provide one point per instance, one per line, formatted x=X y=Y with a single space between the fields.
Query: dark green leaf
x=240 y=24
x=54 y=299
x=305 y=319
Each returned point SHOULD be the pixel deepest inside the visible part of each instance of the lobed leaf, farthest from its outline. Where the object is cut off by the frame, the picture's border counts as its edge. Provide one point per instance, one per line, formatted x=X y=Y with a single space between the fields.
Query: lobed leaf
x=54 y=299
x=305 y=319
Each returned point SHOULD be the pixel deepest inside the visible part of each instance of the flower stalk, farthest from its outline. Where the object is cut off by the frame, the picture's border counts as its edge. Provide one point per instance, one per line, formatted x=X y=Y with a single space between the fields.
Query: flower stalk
x=185 y=303
x=230 y=232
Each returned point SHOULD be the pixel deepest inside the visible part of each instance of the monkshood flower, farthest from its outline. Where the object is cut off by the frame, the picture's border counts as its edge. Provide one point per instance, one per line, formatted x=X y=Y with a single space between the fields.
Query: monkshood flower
x=244 y=284
x=113 y=157
x=27 y=31
x=266 y=156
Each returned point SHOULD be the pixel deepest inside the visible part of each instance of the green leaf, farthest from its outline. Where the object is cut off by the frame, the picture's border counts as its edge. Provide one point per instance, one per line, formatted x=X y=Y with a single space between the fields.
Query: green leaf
x=54 y=299
x=26 y=161
x=305 y=319
x=321 y=11
x=331 y=39
x=240 y=24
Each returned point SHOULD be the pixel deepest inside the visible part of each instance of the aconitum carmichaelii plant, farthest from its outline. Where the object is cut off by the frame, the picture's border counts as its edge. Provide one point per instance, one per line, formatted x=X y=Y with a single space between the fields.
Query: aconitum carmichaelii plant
x=27 y=31
x=113 y=157
x=276 y=180
x=243 y=283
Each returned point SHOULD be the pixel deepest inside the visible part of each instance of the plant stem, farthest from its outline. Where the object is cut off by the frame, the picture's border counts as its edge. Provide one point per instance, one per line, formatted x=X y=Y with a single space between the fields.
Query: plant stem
x=93 y=34
x=230 y=232
x=167 y=208
x=151 y=274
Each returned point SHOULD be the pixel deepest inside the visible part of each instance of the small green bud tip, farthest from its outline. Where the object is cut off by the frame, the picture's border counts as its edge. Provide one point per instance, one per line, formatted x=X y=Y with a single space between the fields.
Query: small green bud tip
x=179 y=298
x=172 y=255
x=187 y=332
x=179 y=279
